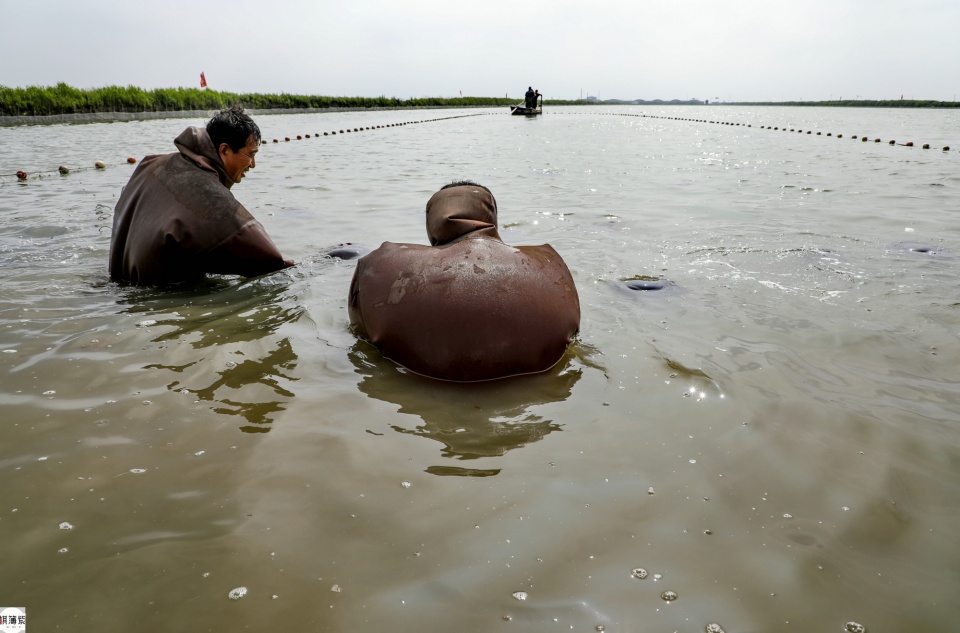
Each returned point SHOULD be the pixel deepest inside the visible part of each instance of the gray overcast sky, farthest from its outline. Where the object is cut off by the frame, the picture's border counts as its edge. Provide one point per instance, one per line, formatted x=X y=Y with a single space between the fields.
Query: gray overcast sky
x=738 y=50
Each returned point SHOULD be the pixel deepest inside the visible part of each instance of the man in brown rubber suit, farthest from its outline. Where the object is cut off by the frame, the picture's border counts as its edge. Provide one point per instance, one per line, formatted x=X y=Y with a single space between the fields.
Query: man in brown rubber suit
x=177 y=220
x=468 y=307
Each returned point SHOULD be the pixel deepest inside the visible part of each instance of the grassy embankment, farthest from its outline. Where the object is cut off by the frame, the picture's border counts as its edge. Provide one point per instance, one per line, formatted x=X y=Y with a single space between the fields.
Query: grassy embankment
x=64 y=99
x=889 y=103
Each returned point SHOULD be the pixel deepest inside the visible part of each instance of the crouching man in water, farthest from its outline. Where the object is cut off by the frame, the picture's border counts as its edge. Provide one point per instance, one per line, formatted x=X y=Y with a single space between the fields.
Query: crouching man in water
x=468 y=307
x=176 y=220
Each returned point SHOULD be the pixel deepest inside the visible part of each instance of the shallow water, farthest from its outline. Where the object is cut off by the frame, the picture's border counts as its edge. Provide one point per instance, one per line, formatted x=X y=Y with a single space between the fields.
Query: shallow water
x=772 y=435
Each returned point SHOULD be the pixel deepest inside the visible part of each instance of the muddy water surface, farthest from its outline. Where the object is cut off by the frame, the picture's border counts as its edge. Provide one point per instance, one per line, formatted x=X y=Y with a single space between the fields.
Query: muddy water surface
x=762 y=411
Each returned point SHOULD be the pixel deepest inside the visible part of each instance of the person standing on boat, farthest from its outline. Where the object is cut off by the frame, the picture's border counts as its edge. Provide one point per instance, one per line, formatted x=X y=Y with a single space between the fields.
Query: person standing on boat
x=177 y=220
x=529 y=98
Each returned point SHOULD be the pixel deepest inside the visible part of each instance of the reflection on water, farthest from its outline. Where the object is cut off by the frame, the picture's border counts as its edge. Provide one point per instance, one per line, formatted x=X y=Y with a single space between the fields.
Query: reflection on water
x=266 y=372
x=471 y=420
x=226 y=319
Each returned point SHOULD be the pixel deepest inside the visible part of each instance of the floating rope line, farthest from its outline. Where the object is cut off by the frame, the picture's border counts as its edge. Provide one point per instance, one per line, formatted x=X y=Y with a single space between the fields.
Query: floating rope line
x=300 y=137
x=863 y=139
x=64 y=170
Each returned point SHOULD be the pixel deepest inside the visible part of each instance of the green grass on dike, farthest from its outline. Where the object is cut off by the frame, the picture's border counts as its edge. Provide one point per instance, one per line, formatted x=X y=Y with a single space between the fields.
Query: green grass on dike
x=65 y=99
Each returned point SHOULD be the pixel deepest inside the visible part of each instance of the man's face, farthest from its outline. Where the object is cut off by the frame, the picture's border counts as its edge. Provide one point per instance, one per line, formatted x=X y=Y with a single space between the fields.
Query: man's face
x=237 y=163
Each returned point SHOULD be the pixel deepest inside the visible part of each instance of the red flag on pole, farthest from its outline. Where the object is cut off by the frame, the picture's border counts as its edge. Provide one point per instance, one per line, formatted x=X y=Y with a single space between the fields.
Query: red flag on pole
x=203 y=81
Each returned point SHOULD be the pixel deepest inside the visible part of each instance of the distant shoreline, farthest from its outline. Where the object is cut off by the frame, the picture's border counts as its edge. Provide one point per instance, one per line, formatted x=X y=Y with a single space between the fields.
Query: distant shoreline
x=63 y=104
x=119 y=117
x=864 y=103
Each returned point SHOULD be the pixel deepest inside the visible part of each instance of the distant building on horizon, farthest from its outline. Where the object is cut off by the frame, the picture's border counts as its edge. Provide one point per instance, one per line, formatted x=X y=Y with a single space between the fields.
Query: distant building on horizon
x=692 y=101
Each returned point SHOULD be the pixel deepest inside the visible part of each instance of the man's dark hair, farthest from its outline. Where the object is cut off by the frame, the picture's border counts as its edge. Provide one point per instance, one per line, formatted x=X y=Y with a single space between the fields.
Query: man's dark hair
x=232 y=126
x=465 y=183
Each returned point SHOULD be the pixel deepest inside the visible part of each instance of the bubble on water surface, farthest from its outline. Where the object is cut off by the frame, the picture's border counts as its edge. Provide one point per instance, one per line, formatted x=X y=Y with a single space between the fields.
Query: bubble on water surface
x=62 y=550
x=856 y=627
x=657 y=576
x=49 y=392
x=713 y=627
x=66 y=526
x=639 y=573
x=520 y=595
x=137 y=471
x=669 y=596
x=787 y=516
x=237 y=593
x=336 y=589
x=43 y=459
x=650 y=490
x=199 y=453
x=405 y=484
x=147 y=323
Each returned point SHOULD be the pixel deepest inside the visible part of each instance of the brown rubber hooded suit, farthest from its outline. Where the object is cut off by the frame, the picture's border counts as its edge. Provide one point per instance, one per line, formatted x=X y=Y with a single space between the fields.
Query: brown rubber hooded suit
x=469 y=307
x=176 y=221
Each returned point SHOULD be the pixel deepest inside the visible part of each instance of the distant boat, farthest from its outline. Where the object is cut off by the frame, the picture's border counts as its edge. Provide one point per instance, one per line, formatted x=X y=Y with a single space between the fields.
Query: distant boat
x=521 y=109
